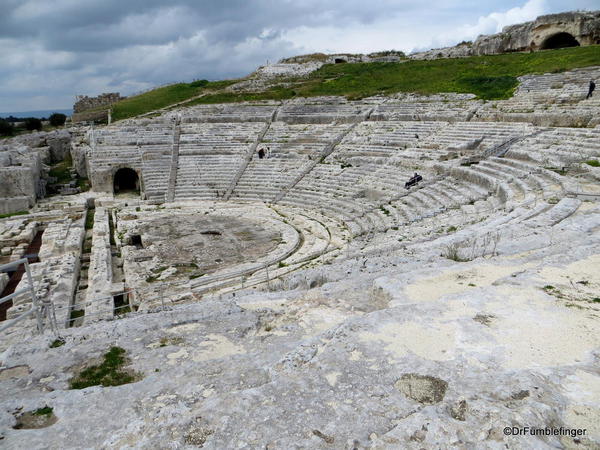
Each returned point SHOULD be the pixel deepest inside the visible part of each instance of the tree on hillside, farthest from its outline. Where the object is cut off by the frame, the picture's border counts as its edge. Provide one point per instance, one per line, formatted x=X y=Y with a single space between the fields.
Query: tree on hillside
x=57 y=119
x=32 y=123
x=6 y=129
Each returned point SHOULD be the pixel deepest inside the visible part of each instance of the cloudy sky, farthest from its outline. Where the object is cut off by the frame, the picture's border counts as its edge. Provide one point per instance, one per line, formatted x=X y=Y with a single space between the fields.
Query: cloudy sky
x=51 y=50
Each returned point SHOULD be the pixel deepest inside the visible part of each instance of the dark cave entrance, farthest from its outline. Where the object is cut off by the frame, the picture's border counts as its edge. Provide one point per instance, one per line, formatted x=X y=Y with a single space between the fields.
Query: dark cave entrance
x=126 y=180
x=136 y=240
x=560 y=40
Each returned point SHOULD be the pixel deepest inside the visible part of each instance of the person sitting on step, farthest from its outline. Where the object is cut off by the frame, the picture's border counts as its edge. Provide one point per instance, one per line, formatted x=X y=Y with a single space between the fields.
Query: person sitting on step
x=413 y=181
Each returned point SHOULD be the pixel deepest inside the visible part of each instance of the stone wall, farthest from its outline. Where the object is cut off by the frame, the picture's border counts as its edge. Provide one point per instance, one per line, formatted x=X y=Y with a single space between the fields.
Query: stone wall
x=84 y=102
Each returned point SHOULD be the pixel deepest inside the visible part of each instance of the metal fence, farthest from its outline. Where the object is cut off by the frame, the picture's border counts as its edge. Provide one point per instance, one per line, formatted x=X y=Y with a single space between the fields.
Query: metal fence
x=42 y=310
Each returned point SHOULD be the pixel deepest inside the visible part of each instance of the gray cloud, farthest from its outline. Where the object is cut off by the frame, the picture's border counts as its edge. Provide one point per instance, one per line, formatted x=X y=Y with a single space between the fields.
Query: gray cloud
x=54 y=50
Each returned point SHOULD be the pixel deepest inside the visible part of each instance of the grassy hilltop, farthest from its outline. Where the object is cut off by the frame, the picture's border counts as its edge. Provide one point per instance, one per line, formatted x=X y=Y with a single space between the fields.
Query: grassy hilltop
x=490 y=77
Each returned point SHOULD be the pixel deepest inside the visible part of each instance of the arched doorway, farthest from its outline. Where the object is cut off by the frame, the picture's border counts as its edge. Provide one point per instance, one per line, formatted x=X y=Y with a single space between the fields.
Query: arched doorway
x=559 y=40
x=126 y=180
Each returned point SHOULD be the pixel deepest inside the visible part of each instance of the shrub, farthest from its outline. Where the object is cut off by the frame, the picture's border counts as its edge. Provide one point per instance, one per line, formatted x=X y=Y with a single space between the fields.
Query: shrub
x=6 y=129
x=198 y=83
x=452 y=252
x=59 y=342
x=33 y=123
x=57 y=119
x=593 y=163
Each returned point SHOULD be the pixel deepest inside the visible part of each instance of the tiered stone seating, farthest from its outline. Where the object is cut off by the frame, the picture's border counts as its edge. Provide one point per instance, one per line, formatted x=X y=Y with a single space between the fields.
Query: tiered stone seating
x=148 y=147
x=385 y=138
x=237 y=112
x=209 y=155
x=559 y=147
x=127 y=145
x=349 y=193
x=458 y=135
x=323 y=110
x=573 y=83
x=555 y=99
x=292 y=147
x=407 y=107
x=393 y=138
x=155 y=172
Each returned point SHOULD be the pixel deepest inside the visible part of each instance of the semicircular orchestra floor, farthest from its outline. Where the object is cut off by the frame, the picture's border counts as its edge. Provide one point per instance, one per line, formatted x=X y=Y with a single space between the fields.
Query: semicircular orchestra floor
x=194 y=248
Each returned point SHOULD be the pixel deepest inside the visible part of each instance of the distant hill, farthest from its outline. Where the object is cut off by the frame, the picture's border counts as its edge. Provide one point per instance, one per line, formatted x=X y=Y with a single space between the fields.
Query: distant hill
x=39 y=114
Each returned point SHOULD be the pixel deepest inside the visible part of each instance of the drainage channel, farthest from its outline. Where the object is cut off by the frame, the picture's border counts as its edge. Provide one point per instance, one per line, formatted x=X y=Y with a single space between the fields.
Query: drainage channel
x=121 y=297
x=78 y=305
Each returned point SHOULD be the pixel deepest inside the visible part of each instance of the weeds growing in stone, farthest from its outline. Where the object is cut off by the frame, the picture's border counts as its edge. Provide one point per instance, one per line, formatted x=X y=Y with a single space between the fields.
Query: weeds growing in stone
x=46 y=410
x=57 y=343
x=108 y=373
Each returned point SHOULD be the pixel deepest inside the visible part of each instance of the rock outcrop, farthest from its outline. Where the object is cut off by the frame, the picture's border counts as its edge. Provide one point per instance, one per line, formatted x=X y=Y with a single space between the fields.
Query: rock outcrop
x=22 y=167
x=546 y=32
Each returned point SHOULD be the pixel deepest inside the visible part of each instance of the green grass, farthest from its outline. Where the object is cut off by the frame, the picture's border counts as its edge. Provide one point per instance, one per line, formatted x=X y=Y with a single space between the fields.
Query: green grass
x=162 y=97
x=490 y=77
x=61 y=171
x=108 y=373
x=18 y=213
x=76 y=314
x=45 y=411
x=125 y=309
x=275 y=93
x=83 y=184
x=593 y=163
x=89 y=218
x=57 y=343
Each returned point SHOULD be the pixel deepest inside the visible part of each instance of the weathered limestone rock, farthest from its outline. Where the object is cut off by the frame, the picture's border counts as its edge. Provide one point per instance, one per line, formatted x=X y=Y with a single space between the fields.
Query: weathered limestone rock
x=60 y=144
x=99 y=303
x=584 y=27
x=325 y=304
x=22 y=167
x=17 y=188
x=3 y=281
x=549 y=31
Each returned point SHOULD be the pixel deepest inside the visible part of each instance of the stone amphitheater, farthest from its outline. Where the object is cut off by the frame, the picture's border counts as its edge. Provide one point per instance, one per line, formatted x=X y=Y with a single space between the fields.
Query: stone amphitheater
x=307 y=299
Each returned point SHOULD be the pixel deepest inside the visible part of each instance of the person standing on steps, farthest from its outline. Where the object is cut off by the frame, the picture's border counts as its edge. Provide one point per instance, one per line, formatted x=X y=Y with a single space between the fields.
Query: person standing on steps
x=261 y=153
x=592 y=87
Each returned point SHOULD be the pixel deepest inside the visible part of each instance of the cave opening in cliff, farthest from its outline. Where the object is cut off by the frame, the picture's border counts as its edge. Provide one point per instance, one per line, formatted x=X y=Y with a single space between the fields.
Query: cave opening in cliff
x=560 y=40
x=126 y=180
